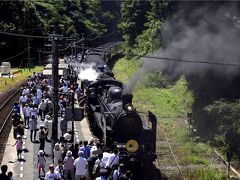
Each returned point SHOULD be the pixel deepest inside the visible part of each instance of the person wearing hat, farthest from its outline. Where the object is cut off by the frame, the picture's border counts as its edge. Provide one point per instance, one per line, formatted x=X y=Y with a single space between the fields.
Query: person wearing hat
x=52 y=174
x=33 y=127
x=19 y=144
x=41 y=163
x=26 y=114
x=69 y=167
x=22 y=100
x=57 y=153
x=81 y=167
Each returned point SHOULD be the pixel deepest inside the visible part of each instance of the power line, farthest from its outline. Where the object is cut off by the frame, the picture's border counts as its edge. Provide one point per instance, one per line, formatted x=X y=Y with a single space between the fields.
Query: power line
x=188 y=61
x=221 y=63
x=14 y=56
x=23 y=35
x=30 y=36
x=67 y=46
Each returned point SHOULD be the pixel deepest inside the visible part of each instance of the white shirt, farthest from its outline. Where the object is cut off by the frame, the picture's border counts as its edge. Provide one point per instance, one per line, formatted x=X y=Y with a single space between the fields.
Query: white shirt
x=39 y=93
x=105 y=157
x=34 y=112
x=81 y=166
x=65 y=89
x=112 y=160
x=57 y=156
x=32 y=124
x=26 y=91
x=52 y=176
x=26 y=111
x=23 y=99
x=101 y=165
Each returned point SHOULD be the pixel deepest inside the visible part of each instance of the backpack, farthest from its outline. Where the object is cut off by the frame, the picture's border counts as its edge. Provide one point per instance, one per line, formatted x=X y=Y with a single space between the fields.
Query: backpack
x=42 y=135
x=96 y=169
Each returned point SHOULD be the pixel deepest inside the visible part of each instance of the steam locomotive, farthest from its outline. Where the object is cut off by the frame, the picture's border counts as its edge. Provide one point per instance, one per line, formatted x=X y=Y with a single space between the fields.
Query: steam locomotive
x=111 y=114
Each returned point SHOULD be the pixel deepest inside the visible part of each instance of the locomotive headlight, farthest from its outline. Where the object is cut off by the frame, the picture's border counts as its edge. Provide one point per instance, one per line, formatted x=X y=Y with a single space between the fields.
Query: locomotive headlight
x=129 y=108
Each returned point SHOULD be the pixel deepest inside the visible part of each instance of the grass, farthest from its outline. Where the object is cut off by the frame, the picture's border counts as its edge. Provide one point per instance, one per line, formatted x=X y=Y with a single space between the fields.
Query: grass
x=171 y=105
x=6 y=82
x=205 y=173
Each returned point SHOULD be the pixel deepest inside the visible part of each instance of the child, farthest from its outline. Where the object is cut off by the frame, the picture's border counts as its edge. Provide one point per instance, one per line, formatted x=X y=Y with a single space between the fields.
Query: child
x=60 y=167
x=19 y=144
x=41 y=163
x=10 y=175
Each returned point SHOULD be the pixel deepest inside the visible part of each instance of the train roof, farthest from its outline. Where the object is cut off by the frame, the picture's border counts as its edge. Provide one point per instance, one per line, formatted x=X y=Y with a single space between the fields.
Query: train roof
x=93 y=58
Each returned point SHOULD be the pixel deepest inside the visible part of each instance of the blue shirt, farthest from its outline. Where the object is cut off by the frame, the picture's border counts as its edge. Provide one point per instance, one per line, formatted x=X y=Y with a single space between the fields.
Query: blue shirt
x=86 y=151
x=35 y=100
x=17 y=107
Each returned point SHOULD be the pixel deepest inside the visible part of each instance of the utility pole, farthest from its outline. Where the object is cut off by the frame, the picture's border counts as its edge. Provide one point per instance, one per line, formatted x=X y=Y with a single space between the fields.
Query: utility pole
x=72 y=137
x=29 y=58
x=72 y=48
x=82 y=44
x=55 y=87
x=75 y=47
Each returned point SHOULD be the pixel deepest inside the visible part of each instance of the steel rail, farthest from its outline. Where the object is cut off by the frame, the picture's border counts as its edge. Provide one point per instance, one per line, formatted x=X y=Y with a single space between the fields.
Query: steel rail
x=5 y=121
x=174 y=157
x=4 y=104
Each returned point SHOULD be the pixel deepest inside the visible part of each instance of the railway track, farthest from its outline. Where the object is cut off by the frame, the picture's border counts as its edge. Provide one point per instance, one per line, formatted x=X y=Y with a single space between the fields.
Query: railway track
x=5 y=113
x=167 y=160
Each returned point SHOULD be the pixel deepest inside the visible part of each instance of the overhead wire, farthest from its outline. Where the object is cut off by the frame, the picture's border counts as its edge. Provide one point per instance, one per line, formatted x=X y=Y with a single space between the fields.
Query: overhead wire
x=14 y=56
x=221 y=63
x=67 y=46
x=31 y=36
x=23 y=35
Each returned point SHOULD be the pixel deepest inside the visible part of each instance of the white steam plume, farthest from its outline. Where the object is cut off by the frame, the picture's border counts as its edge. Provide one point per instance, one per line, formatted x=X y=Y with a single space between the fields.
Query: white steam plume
x=88 y=73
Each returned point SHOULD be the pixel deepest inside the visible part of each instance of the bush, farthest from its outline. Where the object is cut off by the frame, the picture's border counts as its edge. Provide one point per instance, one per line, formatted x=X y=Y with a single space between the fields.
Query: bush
x=155 y=79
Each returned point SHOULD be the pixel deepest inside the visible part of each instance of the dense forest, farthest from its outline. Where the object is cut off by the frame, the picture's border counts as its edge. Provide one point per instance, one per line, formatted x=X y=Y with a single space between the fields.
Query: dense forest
x=94 y=18
x=195 y=31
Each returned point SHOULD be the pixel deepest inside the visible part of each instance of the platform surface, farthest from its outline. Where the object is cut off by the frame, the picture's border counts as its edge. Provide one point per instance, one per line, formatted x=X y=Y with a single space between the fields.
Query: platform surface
x=27 y=169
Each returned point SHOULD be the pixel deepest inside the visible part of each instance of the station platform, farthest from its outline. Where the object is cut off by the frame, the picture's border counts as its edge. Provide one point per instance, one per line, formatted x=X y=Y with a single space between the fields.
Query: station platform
x=27 y=168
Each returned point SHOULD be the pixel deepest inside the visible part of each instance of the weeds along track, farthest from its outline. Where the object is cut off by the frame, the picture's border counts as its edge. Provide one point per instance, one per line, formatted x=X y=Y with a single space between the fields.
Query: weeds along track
x=7 y=100
x=167 y=160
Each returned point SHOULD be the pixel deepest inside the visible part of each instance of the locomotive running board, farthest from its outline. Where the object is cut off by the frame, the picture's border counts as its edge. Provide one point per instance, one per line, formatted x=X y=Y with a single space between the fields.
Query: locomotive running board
x=152 y=118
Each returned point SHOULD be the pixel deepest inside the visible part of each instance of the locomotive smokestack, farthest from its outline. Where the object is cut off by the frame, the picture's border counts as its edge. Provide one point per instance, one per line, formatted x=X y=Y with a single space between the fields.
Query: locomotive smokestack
x=126 y=99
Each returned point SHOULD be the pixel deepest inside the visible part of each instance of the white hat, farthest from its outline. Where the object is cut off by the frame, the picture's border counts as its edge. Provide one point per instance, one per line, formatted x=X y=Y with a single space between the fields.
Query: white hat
x=67 y=136
x=18 y=136
x=57 y=146
x=40 y=152
x=69 y=153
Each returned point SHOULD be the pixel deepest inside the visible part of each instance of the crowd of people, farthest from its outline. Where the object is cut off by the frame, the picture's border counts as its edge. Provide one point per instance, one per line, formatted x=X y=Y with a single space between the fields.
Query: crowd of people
x=75 y=161
x=87 y=160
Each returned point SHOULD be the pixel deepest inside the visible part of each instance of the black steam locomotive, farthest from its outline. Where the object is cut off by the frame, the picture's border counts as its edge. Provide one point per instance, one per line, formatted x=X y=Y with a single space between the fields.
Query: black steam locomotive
x=111 y=114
